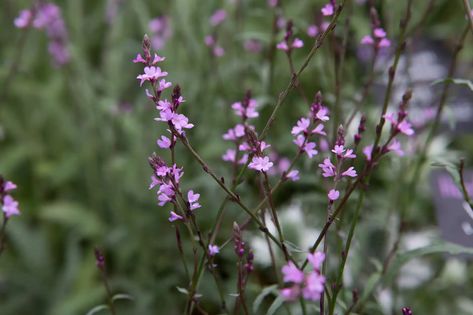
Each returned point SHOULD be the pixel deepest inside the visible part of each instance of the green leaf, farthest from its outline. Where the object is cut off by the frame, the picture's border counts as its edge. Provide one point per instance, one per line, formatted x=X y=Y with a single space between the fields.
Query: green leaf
x=272 y=289
x=439 y=248
x=373 y=280
x=468 y=83
x=122 y=296
x=97 y=309
x=275 y=305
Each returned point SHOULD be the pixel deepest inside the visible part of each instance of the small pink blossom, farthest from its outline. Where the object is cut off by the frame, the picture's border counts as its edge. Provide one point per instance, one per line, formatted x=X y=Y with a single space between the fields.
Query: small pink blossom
x=297 y=43
x=151 y=74
x=218 y=51
x=273 y=3
x=405 y=128
x=290 y=294
x=163 y=85
x=253 y=46
x=180 y=122
x=314 y=287
x=8 y=186
x=10 y=206
x=316 y=259
x=193 y=199
x=164 y=142
x=174 y=217
x=395 y=147
x=367 y=40
x=139 y=58
x=24 y=19
x=327 y=9
x=322 y=114
x=262 y=164
x=319 y=129
x=367 y=151
x=213 y=250
x=333 y=194
x=229 y=156
x=328 y=169
x=384 y=43
x=209 y=40
x=293 y=175
x=379 y=32
x=301 y=126
x=292 y=274
x=350 y=172
x=218 y=17
x=312 y=30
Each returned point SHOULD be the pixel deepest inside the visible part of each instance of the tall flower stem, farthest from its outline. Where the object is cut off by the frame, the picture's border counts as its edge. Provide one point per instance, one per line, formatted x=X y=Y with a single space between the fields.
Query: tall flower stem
x=3 y=234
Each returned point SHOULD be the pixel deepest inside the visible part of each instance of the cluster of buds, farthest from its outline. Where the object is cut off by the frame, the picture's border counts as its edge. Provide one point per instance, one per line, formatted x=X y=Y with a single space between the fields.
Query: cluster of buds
x=48 y=17
x=215 y=20
x=335 y=170
x=361 y=130
x=9 y=204
x=310 y=286
x=245 y=255
x=399 y=125
x=289 y=42
x=309 y=126
x=378 y=35
x=166 y=177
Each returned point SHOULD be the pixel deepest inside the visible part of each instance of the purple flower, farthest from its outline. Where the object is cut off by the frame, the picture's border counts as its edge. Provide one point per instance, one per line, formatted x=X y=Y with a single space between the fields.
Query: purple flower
x=405 y=128
x=296 y=43
x=164 y=142
x=193 y=200
x=291 y=293
x=293 y=175
x=174 y=216
x=24 y=19
x=180 y=121
x=333 y=194
x=367 y=151
x=213 y=250
x=379 y=32
x=350 y=172
x=151 y=74
x=247 y=110
x=218 y=17
x=10 y=206
x=8 y=186
x=328 y=169
x=229 y=156
x=312 y=30
x=218 y=51
x=316 y=259
x=292 y=274
x=395 y=147
x=262 y=164
x=367 y=40
x=302 y=126
x=314 y=286
x=327 y=9
x=406 y=311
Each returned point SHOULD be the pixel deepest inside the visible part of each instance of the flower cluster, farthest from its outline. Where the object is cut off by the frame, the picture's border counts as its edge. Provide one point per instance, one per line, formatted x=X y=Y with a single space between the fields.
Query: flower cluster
x=378 y=35
x=217 y=18
x=48 y=16
x=399 y=125
x=160 y=31
x=289 y=42
x=9 y=204
x=335 y=170
x=310 y=286
x=306 y=127
x=166 y=177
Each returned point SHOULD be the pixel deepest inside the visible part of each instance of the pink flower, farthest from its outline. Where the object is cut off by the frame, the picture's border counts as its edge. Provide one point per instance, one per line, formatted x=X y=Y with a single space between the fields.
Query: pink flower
x=282 y=46
x=8 y=186
x=302 y=126
x=139 y=58
x=24 y=19
x=218 y=51
x=154 y=182
x=262 y=164
x=384 y=43
x=327 y=9
x=319 y=129
x=293 y=175
x=405 y=128
x=218 y=17
x=209 y=40
x=290 y=294
x=157 y=59
x=333 y=194
x=180 y=121
x=328 y=169
x=163 y=85
x=314 y=286
x=312 y=30
x=229 y=156
x=379 y=32
x=164 y=142
x=350 y=172
x=367 y=40
x=367 y=151
x=297 y=43
x=253 y=45
x=193 y=199
x=395 y=147
x=174 y=217
x=247 y=112
x=316 y=259
x=213 y=250
x=151 y=74
x=338 y=150
x=10 y=206
x=272 y=3
x=322 y=114
x=292 y=274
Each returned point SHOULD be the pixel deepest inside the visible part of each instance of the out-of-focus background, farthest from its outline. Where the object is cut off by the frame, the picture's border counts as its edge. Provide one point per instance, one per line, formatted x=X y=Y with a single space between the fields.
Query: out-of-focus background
x=76 y=137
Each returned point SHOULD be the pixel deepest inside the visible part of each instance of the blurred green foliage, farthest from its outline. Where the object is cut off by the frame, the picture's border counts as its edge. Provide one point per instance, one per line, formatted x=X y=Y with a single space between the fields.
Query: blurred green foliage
x=79 y=155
